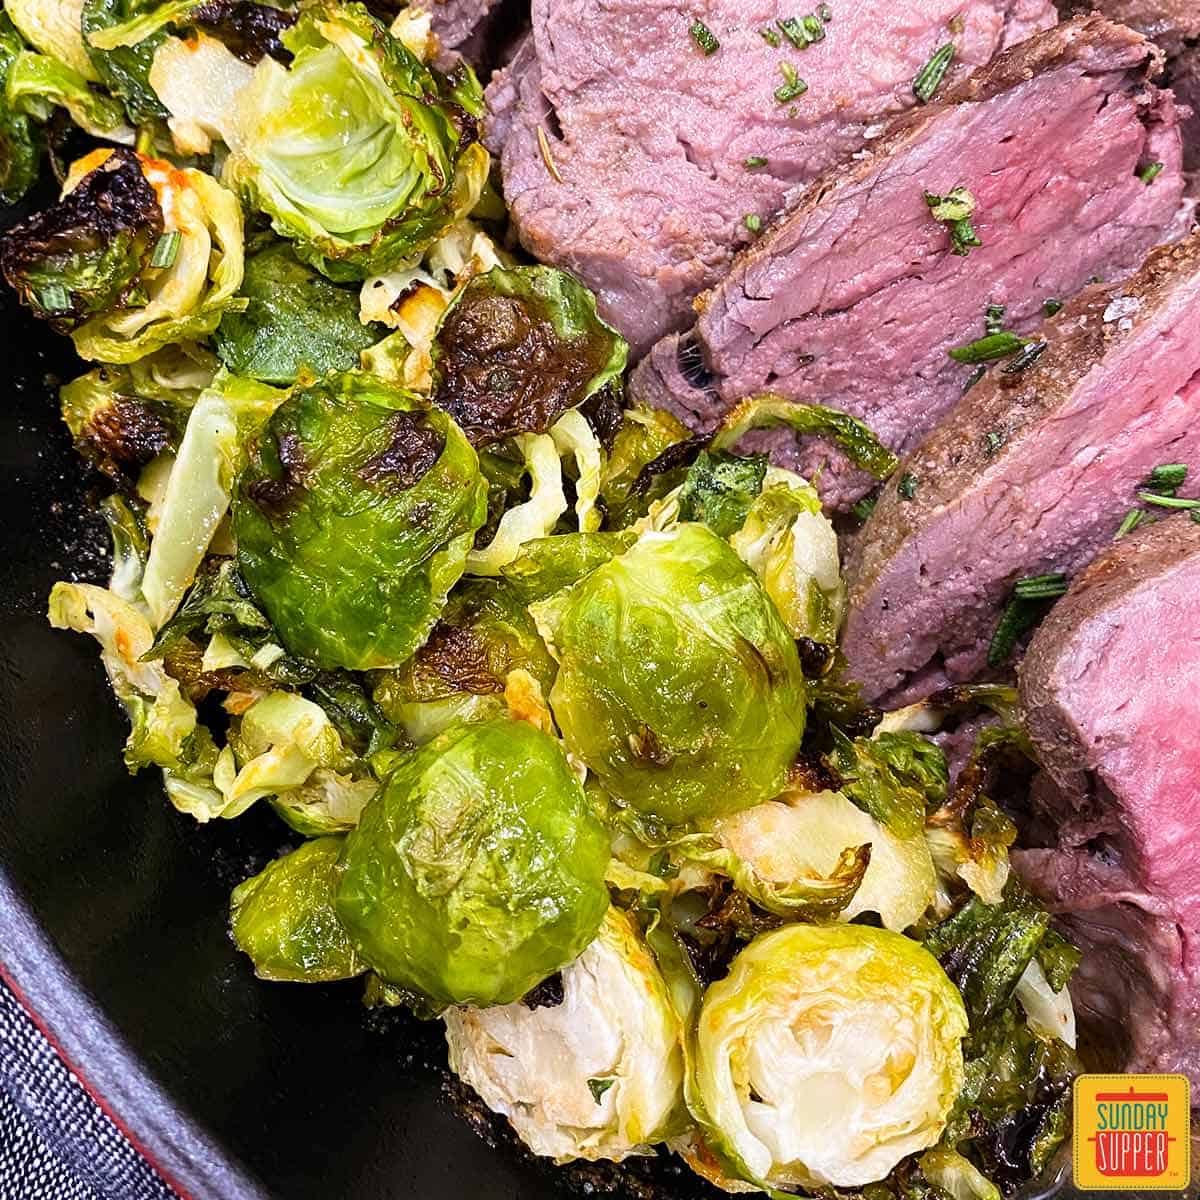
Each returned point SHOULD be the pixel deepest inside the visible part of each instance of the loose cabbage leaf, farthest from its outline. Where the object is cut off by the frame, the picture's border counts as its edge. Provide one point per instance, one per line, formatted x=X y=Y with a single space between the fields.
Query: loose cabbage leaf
x=719 y=489
x=36 y=83
x=547 y=565
x=517 y=348
x=477 y=871
x=295 y=319
x=21 y=143
x=283 y=918
x=354 y=520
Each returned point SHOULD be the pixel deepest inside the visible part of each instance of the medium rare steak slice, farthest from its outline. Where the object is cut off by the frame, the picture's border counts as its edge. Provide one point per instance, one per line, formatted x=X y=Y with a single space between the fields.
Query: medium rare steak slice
x=1185 y=79
x=854 y=300
x=1031 y=475
x=1109 y=694
x=656 y=152
x=1168 y=22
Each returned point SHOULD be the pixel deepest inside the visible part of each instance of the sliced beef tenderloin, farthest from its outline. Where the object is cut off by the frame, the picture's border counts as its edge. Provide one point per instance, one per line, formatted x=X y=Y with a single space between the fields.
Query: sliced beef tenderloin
x=1032 y=474
x=632 y=157
x=1184 y=75
x=855 y=298
x=1168 y=22
x=1109 y=696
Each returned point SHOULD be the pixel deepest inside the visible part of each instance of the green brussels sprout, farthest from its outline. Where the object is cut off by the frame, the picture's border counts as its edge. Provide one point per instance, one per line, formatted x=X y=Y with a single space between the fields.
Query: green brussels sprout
x=645 y=440
x=283 y=918
x=294 y=319
x=37 y=83
x=517 y=348
x=826 y=1056
x=790 y=544
x=21 y=142
x=547 y=565
x=776 y=848
x=357 y=152
x=354 y=521
x=478 y=870
x=678 y=684
x=106 y=266
x=598 y=1075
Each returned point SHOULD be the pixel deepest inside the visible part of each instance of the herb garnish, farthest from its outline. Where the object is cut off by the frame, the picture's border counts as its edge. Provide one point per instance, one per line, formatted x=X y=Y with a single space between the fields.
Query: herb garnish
x=993 y=318
x=1166 y=479
x=770 y=37
x=598 y=1087
x=955 y=209
x=865 y=507
x=1195 y=515
x=1031 y=600
x=754 y=162
x=1026 y=358
x=166 y=250
x=993 y=440
x=972 y=379
x=932 y=73
x=1050 y=307
x=753 y=222
x=1133 y=518
x=1167 y=501
x=1150 y=172
x=704 y=37
x=792 y=86
x=988 y=349
x=907 y=487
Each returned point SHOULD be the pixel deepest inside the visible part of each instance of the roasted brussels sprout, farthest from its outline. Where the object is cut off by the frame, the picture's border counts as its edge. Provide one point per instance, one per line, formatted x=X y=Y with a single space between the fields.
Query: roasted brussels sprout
x=283 y=918
x=354 y=521
x=678 y=683
x=356 y=151
x=518 y=348
x=477 y=871
x=294 y=319
x=21 y=142
x=106 y=265
x=827 y=1055
x=597 y=1075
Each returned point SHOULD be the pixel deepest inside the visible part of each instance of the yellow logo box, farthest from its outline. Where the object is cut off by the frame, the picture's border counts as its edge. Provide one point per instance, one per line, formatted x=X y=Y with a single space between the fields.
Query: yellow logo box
x=1132 y=1133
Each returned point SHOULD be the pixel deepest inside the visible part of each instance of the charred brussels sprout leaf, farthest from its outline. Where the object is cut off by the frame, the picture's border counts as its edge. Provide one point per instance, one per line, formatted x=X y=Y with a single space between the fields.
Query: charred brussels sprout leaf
x=294 y=319
x=283 y=918
x=547 y=565
x=785 y=1042
x=519 y=347
x=21 y=142
x=678 y=683
x=719 y=490
x=630 y=482
x=354 y=521
x=358 y=153
x=125 y=70
x=252 y=31
x=85 y=255
x=478 y=870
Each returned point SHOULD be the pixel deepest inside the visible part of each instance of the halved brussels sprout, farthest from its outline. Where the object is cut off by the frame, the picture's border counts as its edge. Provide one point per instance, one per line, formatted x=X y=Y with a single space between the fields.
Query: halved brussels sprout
x=294 y=319
x=517 y=348
x=629 y=481
x=283 y=918
x=137 y=255
x=21 y=142
x=791 y=546
x=827 y=1055
x=678 y=683
x=356 y=151
x=37 y=83
x=478 y=870
x=598 y=1074
x=354 y=521
x=803 y=835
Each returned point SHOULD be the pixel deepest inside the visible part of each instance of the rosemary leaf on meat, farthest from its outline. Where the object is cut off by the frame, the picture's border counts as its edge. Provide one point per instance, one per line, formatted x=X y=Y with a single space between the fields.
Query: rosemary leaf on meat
x=1041 y=587
x=1161 y=501
x=907 y=487
x=1150 y=172
x=1025 y=359
x=989 y=349
x=932 y=73
x=955 y=210
x=792 y=87
x=1133 y=518
x=704 y=38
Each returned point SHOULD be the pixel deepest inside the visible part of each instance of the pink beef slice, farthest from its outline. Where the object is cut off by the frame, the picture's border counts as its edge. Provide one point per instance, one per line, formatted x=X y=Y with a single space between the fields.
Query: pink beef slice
x=650 y=136
x=855 y=299
x=1168 y=22
x=1110 y=691
x=1032 y=474
x=1185 y=79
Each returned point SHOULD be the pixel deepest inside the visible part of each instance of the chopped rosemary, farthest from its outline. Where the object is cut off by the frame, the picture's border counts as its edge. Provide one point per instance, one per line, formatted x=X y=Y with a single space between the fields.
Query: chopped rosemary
x=791 y=29
x=754 y=162
x=865 y=507
x=1167 y=501
x=753 y=222
x=1133 y=518
x=974 y=377
x=792 y=86
x=166 y=249
x=1166 y=478
x=932 y=73
x=1050 y=307
x=813 y=28
x=1025 y=359
x=993 y=440
x=907 y=487
x=54 y=297
x=1150 y=172
x=825 y=13
x=1195 y=515
x=1041 y=587
x=988 y=349
x=993 y=318
x=770 y=37
x=704 y=37
x=547 y=157
x=598 y=1087
x=955 y=210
